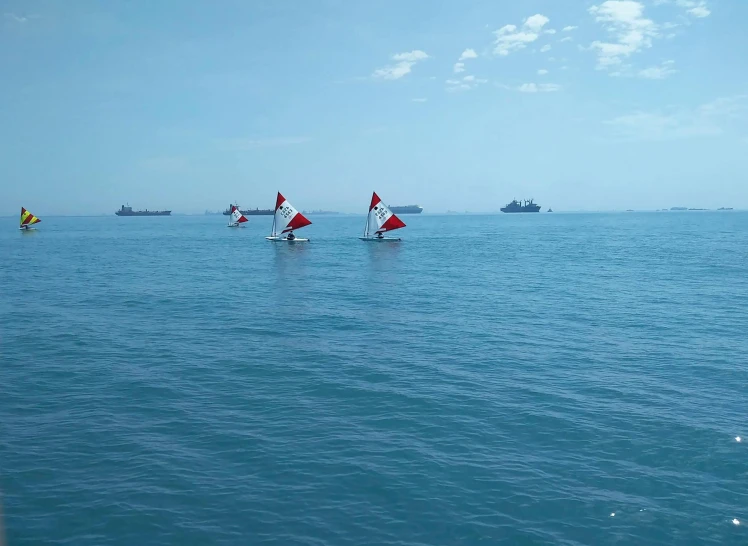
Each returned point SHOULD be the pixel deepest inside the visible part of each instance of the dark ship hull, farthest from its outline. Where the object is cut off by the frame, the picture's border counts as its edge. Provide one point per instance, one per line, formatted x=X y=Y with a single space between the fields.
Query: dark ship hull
x=127 y=211
x=516 y=206
x=252 y=212
x=407 y=209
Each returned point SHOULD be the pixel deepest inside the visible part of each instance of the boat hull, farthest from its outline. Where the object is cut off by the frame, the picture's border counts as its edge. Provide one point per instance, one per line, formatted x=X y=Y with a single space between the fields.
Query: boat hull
x=387 y=239
x=285 y=240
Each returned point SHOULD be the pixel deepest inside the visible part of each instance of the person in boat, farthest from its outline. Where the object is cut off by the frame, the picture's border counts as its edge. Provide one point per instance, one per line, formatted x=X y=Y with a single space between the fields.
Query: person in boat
x=379 y=235
x=290 y=236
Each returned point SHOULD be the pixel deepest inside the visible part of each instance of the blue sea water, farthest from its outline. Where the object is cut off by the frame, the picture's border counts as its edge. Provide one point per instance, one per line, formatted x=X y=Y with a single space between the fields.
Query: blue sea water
x=511 y=379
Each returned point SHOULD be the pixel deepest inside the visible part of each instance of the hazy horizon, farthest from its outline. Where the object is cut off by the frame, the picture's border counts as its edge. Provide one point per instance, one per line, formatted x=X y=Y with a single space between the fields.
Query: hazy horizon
x=597 y=106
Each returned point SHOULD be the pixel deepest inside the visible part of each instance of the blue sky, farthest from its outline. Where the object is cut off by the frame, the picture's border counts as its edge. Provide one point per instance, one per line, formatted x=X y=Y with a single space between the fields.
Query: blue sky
x=187 y=104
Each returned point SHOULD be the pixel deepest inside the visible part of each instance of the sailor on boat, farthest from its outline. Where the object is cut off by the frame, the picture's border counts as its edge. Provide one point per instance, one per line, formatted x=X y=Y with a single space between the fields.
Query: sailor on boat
x=290 y=236
x=380 y=235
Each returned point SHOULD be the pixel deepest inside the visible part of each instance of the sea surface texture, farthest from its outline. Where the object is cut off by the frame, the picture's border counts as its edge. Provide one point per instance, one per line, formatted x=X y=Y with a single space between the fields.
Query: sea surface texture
x=565 y=379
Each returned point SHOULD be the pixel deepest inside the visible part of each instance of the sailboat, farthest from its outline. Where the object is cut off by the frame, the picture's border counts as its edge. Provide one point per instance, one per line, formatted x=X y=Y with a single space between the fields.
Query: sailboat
x=285 y=220
x=379 y=220
x=28 y=220
x=237 y=218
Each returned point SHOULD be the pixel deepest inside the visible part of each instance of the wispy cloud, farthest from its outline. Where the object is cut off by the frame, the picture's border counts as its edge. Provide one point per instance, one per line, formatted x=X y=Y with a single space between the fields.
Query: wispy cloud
x=419 y=100
x=709 y=119
x=545 y=48
x=16 y=18
x=696 y=8
x=542 y=72
x=567 y=39
x=459 y=67
x=661 y=72
x=244 y=144
x=539 y=88
x=404 y=62
x=569 y=28
x=625 y=22
x=465 y=84
x=510 y=38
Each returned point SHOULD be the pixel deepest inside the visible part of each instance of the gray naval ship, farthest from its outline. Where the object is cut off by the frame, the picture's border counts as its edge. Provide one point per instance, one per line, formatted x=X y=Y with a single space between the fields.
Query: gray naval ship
x=518 y=206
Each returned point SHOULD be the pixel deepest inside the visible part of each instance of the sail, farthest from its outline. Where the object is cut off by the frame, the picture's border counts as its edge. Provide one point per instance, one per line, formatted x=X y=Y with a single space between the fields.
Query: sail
x=28 y=219
x=236 y=216
x=381 y=217
x=287 y=217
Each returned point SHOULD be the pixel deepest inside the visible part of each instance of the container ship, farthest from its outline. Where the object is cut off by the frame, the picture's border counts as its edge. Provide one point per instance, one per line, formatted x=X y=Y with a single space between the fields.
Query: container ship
x=127 y=211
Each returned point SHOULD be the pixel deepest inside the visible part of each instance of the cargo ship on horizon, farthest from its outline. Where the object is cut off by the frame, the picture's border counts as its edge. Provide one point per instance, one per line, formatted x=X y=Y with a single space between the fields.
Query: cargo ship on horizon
x=250 y=212
x=406 y=209
x=517 y=206
x=127 y=211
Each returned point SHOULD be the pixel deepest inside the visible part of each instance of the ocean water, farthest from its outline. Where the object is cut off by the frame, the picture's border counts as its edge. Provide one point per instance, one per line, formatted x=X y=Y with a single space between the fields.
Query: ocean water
x=572 y=379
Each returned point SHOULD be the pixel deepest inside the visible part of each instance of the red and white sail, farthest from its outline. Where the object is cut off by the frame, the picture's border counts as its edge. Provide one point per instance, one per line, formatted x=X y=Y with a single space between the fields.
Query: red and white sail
x=381 y=218
x=287 y=217
x=236 y=216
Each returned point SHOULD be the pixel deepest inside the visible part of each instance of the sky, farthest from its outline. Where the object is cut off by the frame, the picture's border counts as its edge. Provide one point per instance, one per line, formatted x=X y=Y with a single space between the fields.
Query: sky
x=453 y=105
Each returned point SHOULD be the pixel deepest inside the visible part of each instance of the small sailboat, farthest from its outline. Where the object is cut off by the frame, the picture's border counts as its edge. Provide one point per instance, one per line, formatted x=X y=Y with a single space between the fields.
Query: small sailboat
x=237 y=218
x=379 y=220
x=285 y=220
x=28 y=220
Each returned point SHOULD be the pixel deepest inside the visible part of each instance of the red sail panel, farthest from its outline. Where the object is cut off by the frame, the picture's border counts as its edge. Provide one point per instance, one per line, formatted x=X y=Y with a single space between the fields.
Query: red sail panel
x=297 y=222
x=279 y=201
x=243 y=219
x=393 y=222
x=375 y=200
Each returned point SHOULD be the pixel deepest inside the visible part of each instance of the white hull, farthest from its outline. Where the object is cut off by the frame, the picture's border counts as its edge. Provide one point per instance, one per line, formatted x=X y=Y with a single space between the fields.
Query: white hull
x=390 y=239
x=236 y=225
x=285 y=240
x=27 y=228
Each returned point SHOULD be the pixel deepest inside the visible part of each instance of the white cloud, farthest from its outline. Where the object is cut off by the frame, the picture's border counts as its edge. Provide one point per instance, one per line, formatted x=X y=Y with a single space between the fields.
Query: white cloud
x=545 y=48
x=468 y=54
x=700 y=11
x=549 y=31
x=16 y=18
x=511 y=38
x=536 y=22
x=567 y=39
x=538 y=88
x=465 y=84
x=695 y=8
x=459 y=67
x=402 y=67
x=411 y=56
x=542 y=72
x=658 y=72
x=709 y=119
x=419 y=100
x=569 y=28
x=625 y=21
